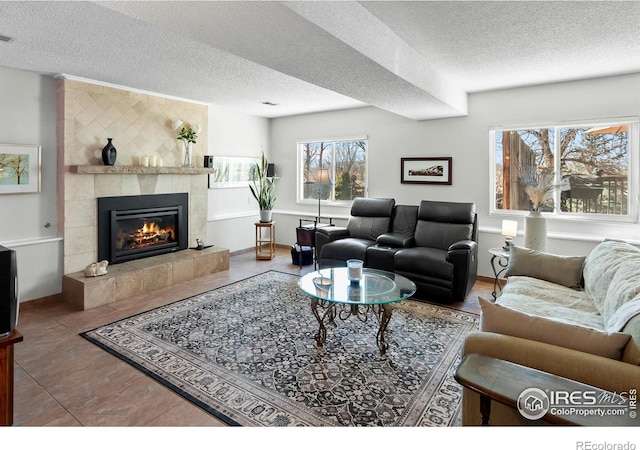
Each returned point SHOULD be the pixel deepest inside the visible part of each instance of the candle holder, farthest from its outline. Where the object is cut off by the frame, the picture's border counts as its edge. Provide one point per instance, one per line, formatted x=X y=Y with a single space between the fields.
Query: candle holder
x=509 y=231
x=354 y=270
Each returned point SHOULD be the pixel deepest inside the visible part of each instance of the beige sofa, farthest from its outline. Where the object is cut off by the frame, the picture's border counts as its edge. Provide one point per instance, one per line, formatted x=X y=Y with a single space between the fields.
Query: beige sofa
x=574 y=317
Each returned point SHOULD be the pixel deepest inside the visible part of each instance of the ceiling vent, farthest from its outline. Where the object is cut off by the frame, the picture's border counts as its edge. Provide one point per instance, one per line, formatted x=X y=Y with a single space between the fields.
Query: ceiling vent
x=5 y=38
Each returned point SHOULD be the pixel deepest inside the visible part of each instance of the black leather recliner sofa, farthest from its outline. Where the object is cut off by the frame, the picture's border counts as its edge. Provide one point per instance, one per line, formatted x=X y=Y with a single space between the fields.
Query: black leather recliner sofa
x=433 y=244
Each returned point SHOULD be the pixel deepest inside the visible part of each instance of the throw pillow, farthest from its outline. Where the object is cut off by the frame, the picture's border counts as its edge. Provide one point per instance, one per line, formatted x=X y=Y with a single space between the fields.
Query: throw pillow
x=498 y=319
x=563 y=270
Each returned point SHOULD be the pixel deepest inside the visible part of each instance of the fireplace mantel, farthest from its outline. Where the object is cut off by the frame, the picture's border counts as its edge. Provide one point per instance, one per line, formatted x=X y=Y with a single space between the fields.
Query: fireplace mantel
x=126 y=170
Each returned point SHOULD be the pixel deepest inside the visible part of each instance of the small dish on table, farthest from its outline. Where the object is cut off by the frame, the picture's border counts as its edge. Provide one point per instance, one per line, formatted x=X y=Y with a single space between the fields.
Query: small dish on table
x=323 y=282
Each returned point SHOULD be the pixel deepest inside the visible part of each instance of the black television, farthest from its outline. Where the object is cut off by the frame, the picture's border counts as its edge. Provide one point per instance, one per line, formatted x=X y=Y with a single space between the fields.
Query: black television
x=8 y=291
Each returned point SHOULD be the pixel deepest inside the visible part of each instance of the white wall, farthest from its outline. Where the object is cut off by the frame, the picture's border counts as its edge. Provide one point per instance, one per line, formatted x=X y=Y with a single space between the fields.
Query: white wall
x=28 y=116
x=233 y=211
x=466 y=139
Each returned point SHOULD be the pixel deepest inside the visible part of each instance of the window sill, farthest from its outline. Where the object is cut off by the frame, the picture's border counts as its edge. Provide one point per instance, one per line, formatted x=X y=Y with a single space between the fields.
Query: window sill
x=311 y=214
x=563 y=236
x=586 y=219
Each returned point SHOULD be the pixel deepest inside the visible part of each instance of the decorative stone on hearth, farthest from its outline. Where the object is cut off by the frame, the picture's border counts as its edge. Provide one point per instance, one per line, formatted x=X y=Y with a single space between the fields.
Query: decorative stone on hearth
x=96 y=269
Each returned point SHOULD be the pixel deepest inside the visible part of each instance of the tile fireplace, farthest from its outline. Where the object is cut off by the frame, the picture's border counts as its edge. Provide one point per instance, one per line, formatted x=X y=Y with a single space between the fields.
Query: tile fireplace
x=139 y=226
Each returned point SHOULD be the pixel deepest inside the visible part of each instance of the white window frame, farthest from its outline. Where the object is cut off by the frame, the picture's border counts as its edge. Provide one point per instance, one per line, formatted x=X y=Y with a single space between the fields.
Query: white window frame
x=300 y=165
x=634 y=171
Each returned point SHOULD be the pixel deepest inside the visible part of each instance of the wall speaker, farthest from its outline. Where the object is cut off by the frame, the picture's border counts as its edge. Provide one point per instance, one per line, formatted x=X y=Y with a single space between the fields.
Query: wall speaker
x=208 y=161
x=271 y=170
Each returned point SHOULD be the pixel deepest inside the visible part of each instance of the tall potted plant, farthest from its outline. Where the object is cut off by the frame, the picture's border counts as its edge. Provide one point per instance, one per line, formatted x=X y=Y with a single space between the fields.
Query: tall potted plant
x=263 y=189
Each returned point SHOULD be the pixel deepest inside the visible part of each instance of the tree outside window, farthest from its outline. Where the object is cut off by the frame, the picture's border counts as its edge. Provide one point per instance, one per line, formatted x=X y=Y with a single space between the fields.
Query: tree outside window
x=588 y=167
x=346 y=162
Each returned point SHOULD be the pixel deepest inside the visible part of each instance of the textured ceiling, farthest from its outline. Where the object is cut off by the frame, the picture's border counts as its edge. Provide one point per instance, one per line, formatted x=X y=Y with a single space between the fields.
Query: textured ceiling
x=417 y=59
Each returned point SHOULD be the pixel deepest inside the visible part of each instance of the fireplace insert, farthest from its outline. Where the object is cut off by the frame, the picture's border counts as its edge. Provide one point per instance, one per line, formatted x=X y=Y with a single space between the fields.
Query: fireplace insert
x=133 y=227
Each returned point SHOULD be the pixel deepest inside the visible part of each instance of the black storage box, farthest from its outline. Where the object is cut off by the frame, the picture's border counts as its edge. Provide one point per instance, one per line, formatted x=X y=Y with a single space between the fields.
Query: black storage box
x=301 y=251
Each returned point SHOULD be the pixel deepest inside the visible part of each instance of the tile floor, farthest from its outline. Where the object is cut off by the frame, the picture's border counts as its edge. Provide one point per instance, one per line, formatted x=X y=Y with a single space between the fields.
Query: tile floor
x=63 y=380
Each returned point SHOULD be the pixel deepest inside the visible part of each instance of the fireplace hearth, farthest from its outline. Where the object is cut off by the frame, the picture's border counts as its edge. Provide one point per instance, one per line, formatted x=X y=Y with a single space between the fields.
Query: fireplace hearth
x=134 y=227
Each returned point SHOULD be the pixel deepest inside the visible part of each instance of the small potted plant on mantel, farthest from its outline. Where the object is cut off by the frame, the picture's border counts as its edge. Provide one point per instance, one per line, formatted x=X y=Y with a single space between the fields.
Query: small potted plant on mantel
x=263 y=189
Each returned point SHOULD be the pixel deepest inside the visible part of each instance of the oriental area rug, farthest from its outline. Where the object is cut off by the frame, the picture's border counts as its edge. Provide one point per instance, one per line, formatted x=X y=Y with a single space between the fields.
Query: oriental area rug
x=246 y=353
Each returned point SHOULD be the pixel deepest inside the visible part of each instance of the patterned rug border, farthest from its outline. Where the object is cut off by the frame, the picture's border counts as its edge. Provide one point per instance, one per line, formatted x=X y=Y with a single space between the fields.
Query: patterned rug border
x=163 y=381
x=158 y=378
x=186 y=395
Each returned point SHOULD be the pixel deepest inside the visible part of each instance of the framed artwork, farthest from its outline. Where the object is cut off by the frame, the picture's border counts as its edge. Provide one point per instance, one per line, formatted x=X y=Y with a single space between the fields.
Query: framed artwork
x=20 y=167
x=426 y=170
x=231 y=172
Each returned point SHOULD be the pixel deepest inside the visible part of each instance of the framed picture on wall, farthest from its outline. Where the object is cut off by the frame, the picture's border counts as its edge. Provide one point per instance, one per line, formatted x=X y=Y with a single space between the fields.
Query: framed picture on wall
x=20 y=167
x=231 y=172
x=426 y=170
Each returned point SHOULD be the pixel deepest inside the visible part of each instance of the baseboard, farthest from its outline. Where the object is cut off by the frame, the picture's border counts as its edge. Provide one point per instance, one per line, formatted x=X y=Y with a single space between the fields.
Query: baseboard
x=485 y=279
x=243 y=251
x=253 y=249
x=39 y=301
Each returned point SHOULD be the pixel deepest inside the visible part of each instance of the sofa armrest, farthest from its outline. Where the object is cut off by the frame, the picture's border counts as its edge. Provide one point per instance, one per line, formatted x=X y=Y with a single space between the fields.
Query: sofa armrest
x=328 y=234
x=463 y=255
x=605 y=373
x=465 y=246
x=400 y=240
x=332 y=233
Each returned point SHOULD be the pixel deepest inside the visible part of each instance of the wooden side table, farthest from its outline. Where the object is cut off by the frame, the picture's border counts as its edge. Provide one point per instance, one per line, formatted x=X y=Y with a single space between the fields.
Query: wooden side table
x=6 y=376
x=265 y=240
x=508 y=383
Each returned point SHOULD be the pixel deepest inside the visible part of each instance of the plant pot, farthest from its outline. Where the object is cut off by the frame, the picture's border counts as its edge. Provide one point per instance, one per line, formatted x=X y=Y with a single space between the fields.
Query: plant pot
x=535 y=231
x=265 y=215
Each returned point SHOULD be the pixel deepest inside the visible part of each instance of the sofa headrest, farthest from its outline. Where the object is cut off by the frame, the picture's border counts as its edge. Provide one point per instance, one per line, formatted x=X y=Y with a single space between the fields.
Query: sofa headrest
x=372 y=207
x=404 y=219
x=447 y=212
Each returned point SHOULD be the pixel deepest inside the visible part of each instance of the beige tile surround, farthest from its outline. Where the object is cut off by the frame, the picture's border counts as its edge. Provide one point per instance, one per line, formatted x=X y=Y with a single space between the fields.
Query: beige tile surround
x=139 y=124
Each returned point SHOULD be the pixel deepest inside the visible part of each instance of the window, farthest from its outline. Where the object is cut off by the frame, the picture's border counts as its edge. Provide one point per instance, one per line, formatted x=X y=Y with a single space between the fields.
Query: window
x=344 y=161
x=577 y=170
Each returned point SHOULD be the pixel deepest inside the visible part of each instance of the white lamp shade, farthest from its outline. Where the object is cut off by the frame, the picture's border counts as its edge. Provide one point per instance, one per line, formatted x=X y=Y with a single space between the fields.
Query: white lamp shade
x=509 y=228
x=322 y=176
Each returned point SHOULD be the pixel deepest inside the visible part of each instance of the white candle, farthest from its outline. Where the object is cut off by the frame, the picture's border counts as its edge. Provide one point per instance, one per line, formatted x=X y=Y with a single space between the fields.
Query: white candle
x=145 y=161
x=161 y=163
x=154 y=161
x=354 y=269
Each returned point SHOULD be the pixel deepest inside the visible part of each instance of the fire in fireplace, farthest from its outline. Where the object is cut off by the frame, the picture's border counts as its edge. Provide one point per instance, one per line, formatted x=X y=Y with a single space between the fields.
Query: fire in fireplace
x=134 y=227
x=149 y=235
x=130 y=235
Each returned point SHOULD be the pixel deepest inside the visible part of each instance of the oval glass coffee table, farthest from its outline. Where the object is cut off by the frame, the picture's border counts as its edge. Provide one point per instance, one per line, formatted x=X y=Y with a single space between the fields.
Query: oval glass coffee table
x=336 y=296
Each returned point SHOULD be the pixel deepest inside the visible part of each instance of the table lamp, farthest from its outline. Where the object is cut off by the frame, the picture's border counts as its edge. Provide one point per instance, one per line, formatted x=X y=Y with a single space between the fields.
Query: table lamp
x=509 y=231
